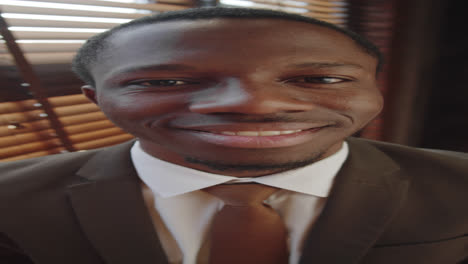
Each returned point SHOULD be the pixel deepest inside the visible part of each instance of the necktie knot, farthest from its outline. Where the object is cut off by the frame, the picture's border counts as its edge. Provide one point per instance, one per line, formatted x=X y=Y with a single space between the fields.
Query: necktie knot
x=248 y=194
x=244 y=230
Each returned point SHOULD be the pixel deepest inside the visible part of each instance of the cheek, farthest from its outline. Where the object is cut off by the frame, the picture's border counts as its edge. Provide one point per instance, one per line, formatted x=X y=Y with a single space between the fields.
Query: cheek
x=366 y=106
x=122 y=108
x=361 y=106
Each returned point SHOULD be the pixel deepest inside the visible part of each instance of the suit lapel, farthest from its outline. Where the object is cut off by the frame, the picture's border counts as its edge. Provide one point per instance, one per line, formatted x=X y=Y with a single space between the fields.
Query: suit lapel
x=366 y=194
x=110 y=209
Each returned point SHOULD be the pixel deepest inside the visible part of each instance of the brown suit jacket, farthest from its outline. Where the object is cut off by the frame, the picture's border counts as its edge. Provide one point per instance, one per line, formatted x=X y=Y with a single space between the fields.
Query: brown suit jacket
x=389 y=204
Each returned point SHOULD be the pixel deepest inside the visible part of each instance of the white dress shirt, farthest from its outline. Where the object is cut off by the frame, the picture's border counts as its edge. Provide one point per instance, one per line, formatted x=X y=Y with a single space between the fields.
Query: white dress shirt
x=181 y=213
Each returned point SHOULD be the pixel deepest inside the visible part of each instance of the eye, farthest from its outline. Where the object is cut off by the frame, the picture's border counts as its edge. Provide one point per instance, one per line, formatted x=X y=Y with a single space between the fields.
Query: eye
x=161 y=83
x=317 y=80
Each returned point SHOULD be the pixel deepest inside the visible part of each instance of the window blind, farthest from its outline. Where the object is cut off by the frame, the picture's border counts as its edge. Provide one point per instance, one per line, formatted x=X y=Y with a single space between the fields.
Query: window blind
x=49 y=33
x=334 y=12
x=26 y=132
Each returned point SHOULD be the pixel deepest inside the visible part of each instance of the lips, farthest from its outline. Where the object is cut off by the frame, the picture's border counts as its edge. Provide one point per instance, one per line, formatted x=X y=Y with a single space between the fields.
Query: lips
x=254 y=138
x=260 y=133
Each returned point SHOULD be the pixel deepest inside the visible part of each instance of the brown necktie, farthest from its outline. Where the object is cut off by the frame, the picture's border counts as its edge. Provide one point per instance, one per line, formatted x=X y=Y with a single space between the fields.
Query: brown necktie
x=246 y=231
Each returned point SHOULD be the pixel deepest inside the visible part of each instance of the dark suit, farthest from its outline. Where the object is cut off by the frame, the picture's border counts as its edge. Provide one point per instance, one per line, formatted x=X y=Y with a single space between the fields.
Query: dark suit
x=389 y=204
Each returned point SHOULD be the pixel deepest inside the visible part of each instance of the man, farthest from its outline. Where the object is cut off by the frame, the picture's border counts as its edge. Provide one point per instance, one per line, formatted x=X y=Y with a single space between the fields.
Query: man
x=235 y=102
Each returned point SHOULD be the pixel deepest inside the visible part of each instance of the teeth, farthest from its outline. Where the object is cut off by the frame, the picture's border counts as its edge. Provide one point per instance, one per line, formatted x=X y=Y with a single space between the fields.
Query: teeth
x=259 y=133
x=247 y=133
x=269 y=133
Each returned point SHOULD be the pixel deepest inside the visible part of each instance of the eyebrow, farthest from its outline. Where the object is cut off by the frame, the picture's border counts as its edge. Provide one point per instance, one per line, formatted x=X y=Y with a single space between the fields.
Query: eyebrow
x=325 y=65
x=159 y=67
x=183 y=67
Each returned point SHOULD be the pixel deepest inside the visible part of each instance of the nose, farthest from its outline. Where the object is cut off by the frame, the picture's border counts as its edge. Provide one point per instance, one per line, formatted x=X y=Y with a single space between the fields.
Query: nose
x=248 y=97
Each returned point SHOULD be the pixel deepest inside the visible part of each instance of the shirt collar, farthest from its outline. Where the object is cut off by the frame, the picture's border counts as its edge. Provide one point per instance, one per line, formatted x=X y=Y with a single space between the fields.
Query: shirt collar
x=168 y=179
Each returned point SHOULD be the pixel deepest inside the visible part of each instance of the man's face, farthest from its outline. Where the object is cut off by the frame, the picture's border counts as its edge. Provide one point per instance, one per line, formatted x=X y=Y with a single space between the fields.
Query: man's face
x=241 y=97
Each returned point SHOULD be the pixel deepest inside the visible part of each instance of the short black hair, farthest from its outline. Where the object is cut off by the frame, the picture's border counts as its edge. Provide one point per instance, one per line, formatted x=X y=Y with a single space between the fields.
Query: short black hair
x=88 y=54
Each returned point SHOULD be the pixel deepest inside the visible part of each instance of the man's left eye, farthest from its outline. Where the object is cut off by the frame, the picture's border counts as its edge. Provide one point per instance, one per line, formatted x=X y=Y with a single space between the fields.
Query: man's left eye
x=317 y=80
x=157 y=83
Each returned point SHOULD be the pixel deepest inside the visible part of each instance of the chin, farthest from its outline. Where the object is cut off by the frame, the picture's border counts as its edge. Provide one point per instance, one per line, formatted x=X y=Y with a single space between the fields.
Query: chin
x=252 y=166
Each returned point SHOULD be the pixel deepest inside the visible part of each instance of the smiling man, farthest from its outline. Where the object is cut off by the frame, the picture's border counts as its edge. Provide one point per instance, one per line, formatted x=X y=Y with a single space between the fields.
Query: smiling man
x=243 y=154
x=223 y=93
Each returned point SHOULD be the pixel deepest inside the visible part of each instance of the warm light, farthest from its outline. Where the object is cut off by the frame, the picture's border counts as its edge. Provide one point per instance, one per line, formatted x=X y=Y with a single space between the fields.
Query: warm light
x=120 y=1
x=296 y=3
x=237 y=3
x=49 y=41
x=257 y=5
x=74 y=7
x=53 y=29
x=52 y=41
x=66 y=18
x=293 y=9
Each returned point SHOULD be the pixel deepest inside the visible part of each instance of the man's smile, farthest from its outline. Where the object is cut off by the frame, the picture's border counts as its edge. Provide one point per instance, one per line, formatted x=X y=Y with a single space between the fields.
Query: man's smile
x=263 y=130
x=254 y=138
x=259 y=133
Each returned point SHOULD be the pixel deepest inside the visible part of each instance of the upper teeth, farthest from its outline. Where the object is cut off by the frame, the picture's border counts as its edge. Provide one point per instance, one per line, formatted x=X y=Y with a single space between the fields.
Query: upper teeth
x=259 y=133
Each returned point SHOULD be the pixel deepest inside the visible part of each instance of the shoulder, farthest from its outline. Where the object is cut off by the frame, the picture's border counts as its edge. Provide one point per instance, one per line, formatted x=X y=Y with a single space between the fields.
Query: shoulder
x=43 y=173
x=432 y=173
x=411 y=158
x=22 y=176
x=435 y=206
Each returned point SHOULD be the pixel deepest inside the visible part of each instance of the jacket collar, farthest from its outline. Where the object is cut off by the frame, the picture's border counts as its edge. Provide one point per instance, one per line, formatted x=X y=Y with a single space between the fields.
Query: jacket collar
x=109 y=206
x=367 y=193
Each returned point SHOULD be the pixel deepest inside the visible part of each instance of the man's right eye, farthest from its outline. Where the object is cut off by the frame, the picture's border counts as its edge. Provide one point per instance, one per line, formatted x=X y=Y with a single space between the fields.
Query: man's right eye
x=161 y=83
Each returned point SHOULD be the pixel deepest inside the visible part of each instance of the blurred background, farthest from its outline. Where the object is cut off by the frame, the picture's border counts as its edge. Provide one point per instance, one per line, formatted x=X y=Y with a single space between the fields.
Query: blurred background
x=42 y=111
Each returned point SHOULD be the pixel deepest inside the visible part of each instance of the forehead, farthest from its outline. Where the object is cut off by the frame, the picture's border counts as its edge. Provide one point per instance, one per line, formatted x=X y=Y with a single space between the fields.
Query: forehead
x=240 y=42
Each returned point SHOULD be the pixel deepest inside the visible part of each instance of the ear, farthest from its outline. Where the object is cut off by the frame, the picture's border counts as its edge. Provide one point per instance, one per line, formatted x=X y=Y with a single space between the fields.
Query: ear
x=90 y=92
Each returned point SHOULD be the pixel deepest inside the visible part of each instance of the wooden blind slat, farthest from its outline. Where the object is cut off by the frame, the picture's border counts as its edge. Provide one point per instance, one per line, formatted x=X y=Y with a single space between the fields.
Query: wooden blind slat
x=26 y=128
x=78 y=133
x=44 y=124
x=29 y=147
x=81 y=119
x=41 y=58
x=142 y=6
x=35 y=154
x=326 y=3
x=66 y=12
x=103 y=142
x=20 y=106
x=53 y=23
x=76 y=109
x=94 y=135
x=26 y=138
x=314 y=8
x=91 y=126
x=29 y=116
x=46 y=47
x=86 y=13
x=322 y=16
x=52 y=35
x=50 y=58
x=57 y=101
